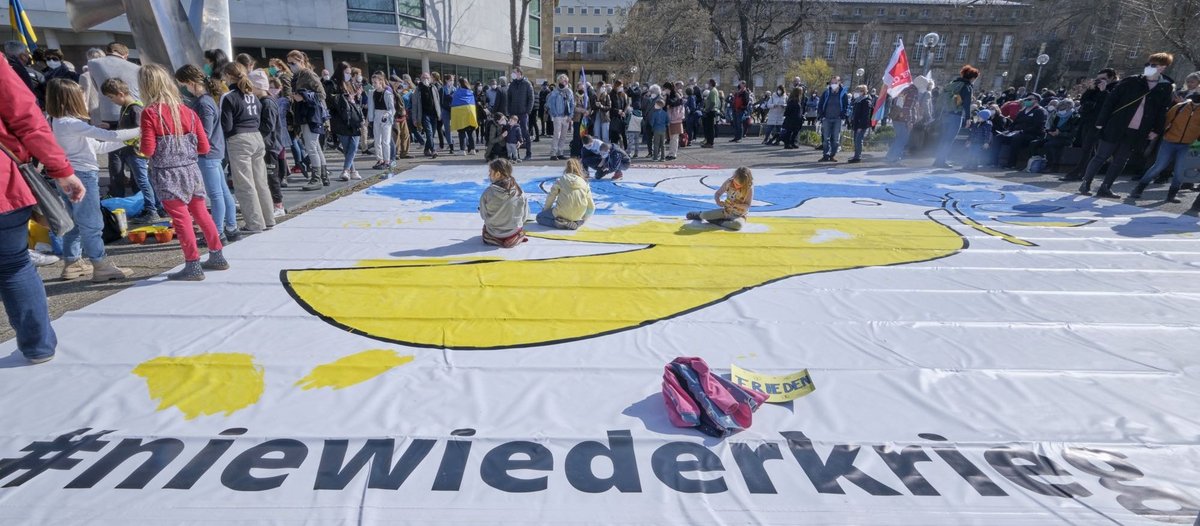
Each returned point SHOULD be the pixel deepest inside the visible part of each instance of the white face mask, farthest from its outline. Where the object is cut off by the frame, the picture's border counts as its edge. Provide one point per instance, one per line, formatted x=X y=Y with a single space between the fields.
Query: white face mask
x=53 y=64
x=1150 y=71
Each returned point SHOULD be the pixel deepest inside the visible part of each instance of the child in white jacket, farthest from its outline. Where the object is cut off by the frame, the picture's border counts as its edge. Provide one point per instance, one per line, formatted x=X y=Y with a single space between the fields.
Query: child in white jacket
x=82 y=142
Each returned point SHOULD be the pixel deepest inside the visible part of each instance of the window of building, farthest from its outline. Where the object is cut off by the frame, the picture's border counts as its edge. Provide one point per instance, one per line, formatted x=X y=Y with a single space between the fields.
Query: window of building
x=583 y=30
x=985 y=47
x=596 y=11
x=535 y=28
x=570 y=10
x=881 y=11
x=405 y=13
x=852 y=53
x=924 y=13
x=1133 y=51
x=858 y=11
x=557 y=30
x=1006 y=49
x=558 y=10
x=903 y=11
x=970 y=13
x=940 y=54
x=830 y=45
x=786 y=45
x=611 y=11
x=876 y=44
x=570 y=29
x=808 y=45
x=1089 y=53
x=596 y=30
x=583 y=11
x=964 y=42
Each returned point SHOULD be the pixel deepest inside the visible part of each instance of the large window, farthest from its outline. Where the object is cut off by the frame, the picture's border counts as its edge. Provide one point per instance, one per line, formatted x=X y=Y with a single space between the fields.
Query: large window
x=583 y=30
x=808 y=45
x=570 y=29
x=1006 y=49
x=535 y=28
x=830 y=45
x=940 y=55
x=852 y=53
x=404 y=13
x=985 y=47
x=964 y=42
x=876 y=45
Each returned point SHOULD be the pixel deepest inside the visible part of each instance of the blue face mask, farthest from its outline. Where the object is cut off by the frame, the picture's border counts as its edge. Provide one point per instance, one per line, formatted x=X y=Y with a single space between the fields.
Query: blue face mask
x=208 y=70
x=1064 y=113
x=273 y=71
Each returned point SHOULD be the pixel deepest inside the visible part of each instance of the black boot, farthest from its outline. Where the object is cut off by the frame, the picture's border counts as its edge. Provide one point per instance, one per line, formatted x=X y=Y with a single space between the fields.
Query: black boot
x=324 y=176
x=1106 y=191
x=1172 y=193
x=1137 y=191
x=314 y=180
x=1086 y=187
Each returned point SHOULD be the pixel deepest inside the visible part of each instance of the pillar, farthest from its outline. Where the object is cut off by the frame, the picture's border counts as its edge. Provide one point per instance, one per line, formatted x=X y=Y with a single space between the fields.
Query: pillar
x=327 y=56
x=424 y=62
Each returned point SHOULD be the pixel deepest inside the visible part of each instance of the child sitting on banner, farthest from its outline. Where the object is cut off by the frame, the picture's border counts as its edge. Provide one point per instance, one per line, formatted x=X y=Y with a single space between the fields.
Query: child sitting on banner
x=614 y=160
x=503 y=207
x=979 y=139
x=569 y=203
x=514 y=139
x=494 y=135
x=738 y=193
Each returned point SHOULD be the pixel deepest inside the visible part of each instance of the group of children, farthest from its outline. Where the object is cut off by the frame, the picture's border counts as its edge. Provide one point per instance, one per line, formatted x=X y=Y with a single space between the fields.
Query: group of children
x=504 y=206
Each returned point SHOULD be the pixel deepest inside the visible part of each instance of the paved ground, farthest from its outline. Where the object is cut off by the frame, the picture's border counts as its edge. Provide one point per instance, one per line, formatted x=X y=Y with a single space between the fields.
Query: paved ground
x=152 y=259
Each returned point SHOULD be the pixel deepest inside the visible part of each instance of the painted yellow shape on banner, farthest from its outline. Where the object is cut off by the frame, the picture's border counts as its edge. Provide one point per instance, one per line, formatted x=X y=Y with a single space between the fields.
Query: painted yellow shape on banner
x=777 y=388
x=203 y=385
x=671 y=269
x=352 y=370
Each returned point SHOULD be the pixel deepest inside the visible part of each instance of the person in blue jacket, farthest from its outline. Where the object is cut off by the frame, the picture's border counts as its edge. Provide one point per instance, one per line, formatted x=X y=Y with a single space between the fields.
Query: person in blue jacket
x=833 y=109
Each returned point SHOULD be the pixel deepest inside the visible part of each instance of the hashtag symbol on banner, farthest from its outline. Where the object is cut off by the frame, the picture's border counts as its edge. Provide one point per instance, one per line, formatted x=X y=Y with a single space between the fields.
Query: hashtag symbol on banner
x=54 y=454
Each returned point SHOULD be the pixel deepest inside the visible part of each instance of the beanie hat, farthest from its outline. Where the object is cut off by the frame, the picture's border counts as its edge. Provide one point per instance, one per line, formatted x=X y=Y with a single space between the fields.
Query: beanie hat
x=985 y=114
x=258 y=78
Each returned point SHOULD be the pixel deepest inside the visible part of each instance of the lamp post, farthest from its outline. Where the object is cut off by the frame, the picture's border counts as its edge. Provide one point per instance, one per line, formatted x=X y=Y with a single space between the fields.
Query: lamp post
x=929 y=41
x=858 y=73
x=1042 y=60
x=1004 y=80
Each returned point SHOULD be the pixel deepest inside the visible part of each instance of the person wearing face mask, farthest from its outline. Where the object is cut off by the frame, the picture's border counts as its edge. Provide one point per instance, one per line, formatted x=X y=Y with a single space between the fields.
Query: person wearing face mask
x=279 y=70
x=617 y=113
x=426 y=109
x=860 y=120
x=603 y=115
x=116 y=65
x=776 y=103
x=1061 y=129
x=560 y=106
x=1027 y=127
x=307 y=86
x=1133 y=112
x=1191 y=85
x=56 y=69
x=833 y=108
x=381 y=112
x=519 y=104
x=1089 y=109
x=1182 y=129
x=542 y=113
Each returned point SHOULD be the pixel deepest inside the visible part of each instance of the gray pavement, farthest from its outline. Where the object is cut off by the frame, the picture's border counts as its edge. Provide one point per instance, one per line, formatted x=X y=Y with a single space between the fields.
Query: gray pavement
x=152 y=259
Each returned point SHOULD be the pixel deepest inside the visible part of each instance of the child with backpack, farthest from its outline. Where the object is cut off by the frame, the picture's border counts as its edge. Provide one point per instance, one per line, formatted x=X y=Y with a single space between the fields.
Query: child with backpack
x=130 y=118
x=503 y=207
x=979 y=139
x=734 y=197
x=81 y=142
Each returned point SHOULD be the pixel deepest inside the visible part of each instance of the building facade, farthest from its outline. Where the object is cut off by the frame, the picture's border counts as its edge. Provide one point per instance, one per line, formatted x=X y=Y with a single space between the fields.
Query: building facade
x=398 y=36
x=581 y=29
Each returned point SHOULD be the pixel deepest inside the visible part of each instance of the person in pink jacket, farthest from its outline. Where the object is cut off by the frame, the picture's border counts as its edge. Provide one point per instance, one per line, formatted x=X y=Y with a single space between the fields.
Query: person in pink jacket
x=25 y=133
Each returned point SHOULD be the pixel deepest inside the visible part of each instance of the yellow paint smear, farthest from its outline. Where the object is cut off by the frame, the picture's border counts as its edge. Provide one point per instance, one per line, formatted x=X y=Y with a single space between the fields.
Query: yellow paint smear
x=352 y=370
x=667 y=269
x=203 y=385
x=996 y=233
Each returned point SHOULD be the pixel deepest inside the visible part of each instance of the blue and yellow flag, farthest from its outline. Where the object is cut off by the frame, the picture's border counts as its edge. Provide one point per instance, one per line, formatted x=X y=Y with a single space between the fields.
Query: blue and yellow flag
x=20 y=23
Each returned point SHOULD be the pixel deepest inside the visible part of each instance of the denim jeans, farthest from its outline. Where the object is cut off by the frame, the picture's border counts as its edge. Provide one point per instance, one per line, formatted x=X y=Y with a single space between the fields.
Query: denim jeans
x=21 y=289
x=430 y=127
x=220 y=198
x=900 y=143
x=1167 y=152
x=602 y=129
x=140 y=166
x=831 y=133
x=350 y=146
x=446 y=129
x=949 y=124
x=85 y=239
x=738 y=122
x=546 y=217
x=859 y=137
x=298 y=153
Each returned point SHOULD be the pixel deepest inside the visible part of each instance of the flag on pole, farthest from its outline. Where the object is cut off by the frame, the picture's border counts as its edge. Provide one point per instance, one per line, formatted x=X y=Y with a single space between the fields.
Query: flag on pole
x=20 y=24
x=584 y=125
x=896 y=77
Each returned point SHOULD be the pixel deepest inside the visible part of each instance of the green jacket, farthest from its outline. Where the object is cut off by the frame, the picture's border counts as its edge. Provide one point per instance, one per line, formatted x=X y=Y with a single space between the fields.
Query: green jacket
x=713 y=101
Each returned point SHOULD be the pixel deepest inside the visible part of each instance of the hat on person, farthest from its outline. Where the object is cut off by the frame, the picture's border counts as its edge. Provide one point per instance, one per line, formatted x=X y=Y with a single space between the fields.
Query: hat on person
x=258 y=78
x=985 y=114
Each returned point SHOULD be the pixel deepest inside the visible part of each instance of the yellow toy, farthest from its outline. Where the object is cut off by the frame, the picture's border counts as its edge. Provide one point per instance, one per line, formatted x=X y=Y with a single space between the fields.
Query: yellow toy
x=162 y=234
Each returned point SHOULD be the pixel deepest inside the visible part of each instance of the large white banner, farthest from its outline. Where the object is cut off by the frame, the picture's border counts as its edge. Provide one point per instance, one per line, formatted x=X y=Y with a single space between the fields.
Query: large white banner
x=983 y=353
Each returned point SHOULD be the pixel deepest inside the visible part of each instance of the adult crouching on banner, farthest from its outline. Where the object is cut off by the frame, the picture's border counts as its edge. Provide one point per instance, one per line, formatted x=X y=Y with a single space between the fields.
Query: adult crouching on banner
x=25 y=133
x=953 y=106
x=1134 y=111
x=520 y=105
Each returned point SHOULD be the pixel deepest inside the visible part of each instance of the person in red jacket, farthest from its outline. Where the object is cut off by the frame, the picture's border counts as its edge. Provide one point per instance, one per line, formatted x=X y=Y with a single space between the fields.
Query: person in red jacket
x=25 y=133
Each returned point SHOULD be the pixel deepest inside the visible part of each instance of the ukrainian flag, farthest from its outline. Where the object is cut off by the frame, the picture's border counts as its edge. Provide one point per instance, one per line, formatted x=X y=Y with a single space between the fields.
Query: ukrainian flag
x=20 y=23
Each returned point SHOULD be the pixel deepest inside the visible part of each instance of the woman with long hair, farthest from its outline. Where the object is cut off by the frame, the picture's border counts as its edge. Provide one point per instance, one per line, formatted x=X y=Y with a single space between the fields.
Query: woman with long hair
x=241 y=114
x=173 y=138
x=308 y=92
x=463 y=116
x=345 y=117
x=201 y=92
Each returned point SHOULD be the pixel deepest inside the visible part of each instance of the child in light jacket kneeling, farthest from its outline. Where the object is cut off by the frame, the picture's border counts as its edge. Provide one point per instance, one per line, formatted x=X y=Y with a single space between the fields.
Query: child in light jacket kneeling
x=503 y=207
x=569 y=203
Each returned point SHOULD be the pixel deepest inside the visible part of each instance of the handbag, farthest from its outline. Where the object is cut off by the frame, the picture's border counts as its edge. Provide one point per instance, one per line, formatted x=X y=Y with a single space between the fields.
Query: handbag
x=49 y=200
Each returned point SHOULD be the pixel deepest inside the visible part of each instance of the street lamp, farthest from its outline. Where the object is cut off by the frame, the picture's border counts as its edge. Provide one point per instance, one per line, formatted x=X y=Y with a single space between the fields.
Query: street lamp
x=1042 y=60
x=859 y=72
x=1028 y=77
x=929 y=41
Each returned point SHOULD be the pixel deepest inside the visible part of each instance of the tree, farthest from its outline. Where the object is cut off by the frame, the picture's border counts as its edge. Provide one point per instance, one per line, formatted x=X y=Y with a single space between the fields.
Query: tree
x=518 y=11
x=1177 y=22
x=662 y=40
x=751 y=31
x=812 y=72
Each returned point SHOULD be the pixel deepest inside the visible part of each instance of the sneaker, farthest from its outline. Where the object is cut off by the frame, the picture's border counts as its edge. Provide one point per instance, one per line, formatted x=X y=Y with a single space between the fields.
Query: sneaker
x=232 y=235
x=216 y=261
x=104 y=270
x=40 y=359
x=75 y=270
x=345 y=176
x=279 y=212
x=42 y=260
x=670 y=157
x=693 y=216
x=379 y=165
x=355 y=176
x=148 y=218
x=854 y=160
x=1107 y=194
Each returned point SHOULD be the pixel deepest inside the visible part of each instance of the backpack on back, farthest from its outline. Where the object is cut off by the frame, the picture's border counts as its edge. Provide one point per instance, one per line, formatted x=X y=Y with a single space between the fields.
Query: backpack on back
x=950 y=99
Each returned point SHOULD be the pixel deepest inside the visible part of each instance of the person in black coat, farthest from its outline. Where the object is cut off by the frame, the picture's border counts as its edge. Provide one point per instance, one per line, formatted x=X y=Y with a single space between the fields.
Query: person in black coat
x=793 y=118
x=1061 y=132
x=1133 y=112
x=1089 y=109
x=1028 y=126
x=860 y=120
